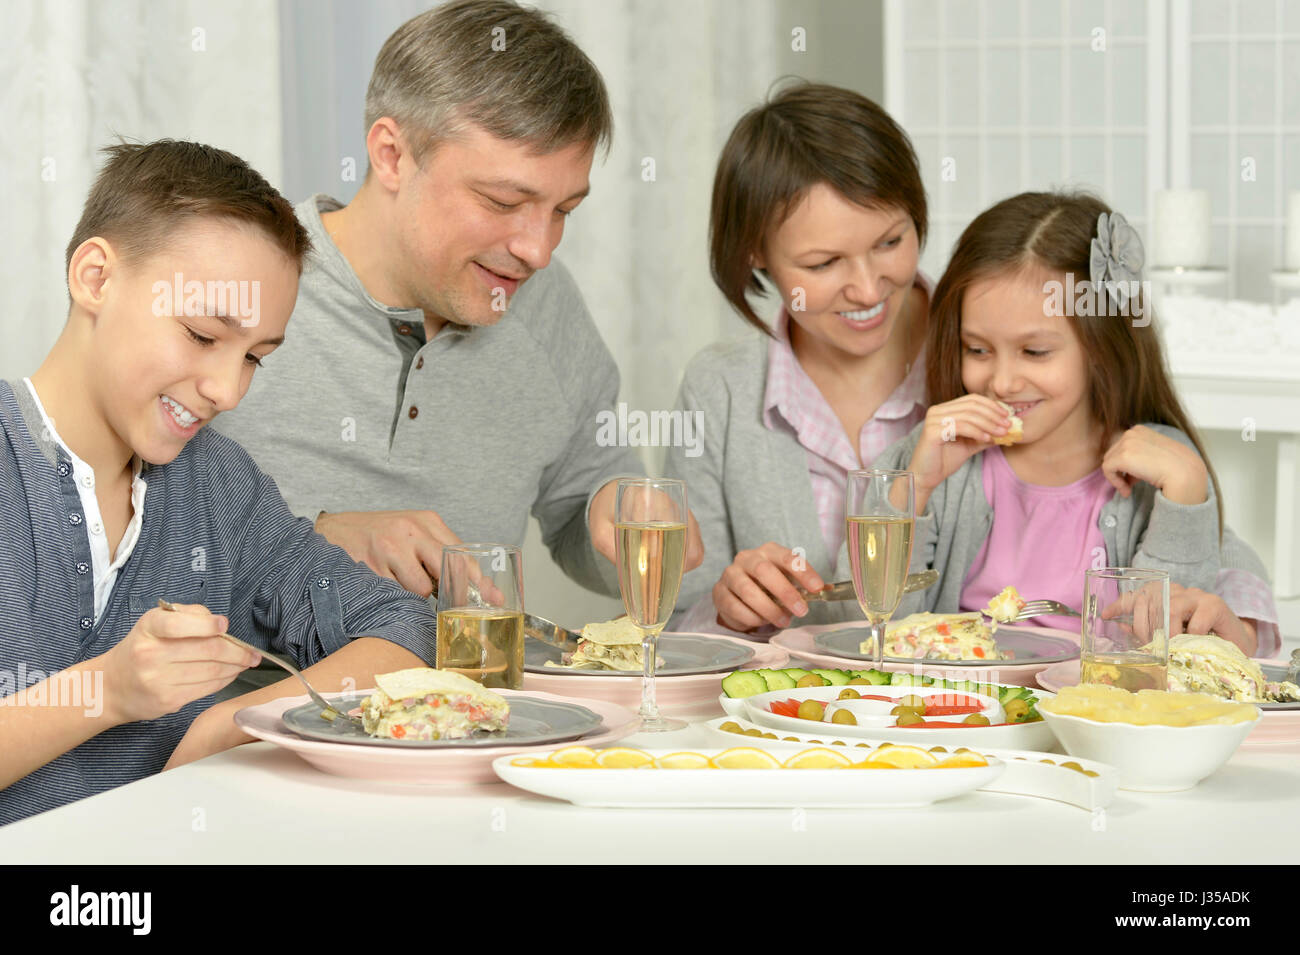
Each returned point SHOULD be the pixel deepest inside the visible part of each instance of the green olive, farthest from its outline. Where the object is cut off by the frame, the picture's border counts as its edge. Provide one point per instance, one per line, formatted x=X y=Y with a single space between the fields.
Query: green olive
x=909 y=718
x=769 y=736
x=937 y=749
x=1047 y=761
x=963 y=749
x=1016 y=710
x=847 y=694
x=859 y=681
x=900 y=710
x=790 y=739
x=977 y=719
x=913 y=701
x=845 y=717
x=865 y=745
x=811 y=679
x=816 y=742
x=730 y=727
x=811 y=710
x=1089 y=772
x=752 y=732
x=838 y=742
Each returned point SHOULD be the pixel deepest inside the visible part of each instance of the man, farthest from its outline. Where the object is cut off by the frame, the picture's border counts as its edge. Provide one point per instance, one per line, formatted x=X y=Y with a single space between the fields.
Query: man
x=443 y=375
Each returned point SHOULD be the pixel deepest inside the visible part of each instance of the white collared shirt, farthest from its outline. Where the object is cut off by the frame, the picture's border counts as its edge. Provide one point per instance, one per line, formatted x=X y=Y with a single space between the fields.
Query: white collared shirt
x=105 y=567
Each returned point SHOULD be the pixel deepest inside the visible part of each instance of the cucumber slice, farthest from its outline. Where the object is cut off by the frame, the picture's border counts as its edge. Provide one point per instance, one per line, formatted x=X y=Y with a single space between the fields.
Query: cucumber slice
x=777 y=679
x=874 y=677
x=834 y=677
x=743 y=683
x=906 y=679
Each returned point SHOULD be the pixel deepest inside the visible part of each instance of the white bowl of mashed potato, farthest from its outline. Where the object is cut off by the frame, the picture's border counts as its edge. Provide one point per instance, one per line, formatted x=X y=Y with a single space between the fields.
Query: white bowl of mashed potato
x=1160 y=741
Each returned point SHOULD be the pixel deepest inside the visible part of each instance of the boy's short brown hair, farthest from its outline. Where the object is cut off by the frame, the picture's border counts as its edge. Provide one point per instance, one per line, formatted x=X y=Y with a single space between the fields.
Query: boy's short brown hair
x=146 y=191
x=807 y=134
x=495 y=64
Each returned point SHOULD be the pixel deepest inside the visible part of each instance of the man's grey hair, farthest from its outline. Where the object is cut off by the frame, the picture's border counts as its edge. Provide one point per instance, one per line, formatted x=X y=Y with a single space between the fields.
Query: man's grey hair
x=494 y=64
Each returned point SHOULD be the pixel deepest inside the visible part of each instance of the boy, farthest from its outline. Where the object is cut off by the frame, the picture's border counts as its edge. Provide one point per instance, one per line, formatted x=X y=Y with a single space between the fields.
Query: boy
x=183 y=273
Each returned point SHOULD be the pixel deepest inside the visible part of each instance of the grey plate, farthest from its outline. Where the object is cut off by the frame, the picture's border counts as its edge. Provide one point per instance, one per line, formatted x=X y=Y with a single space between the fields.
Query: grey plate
x=1275 y=674
x=1025 y=646
x=682 y=654
x=531 y=721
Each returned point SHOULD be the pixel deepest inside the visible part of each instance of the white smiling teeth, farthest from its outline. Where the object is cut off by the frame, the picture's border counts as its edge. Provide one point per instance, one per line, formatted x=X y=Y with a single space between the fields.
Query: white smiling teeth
x=179 y=414
x=864 y=315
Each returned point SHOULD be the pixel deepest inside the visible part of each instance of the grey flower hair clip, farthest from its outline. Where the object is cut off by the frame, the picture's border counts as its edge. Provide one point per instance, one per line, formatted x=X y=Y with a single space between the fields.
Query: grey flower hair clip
x=1117 y=257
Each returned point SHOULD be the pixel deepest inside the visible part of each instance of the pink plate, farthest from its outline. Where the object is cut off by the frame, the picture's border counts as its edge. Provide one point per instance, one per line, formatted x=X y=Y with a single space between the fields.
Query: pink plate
x=699 y=689
x=799 y=641
x=425 y=767
x=1277 y=726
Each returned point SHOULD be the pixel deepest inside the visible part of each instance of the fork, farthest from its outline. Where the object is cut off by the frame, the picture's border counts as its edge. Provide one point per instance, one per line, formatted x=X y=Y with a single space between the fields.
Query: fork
x=328 y=712
x=1036 y=608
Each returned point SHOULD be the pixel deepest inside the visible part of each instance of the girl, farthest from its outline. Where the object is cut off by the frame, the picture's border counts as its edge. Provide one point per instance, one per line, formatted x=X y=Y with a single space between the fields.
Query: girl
x=818 y=195
x=1040 y=310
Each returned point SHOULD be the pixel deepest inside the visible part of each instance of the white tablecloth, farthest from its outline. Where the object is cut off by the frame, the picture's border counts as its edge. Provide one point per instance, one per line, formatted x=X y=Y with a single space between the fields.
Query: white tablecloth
x=258 y=803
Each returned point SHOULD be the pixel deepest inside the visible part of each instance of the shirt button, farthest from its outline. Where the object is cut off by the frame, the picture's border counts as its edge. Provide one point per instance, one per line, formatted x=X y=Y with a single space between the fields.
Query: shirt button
x=97 y=528
x=88 y=480
x=86 y=623
x=413 y=412
x=63 y=470
x=1109 y=520
x=323 y=583
x=403 y=329
x=74 y=519
x=419 y=364
x=83 y=567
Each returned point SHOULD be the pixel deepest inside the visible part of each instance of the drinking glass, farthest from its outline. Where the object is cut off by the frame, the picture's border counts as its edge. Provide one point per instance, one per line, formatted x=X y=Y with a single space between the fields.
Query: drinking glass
x=481 y=614
x=1124 y=639
x=650 y=520
x=880 y=513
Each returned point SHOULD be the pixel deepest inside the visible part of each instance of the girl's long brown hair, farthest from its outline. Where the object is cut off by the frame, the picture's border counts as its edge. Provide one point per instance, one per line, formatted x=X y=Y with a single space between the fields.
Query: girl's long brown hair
x=1128 y=379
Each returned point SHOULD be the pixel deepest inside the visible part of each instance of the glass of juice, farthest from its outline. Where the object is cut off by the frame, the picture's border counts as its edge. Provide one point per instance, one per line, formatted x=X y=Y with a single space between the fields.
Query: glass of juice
x=880 y=514
x=650 y=519
x=481 y=614
x=1125 y=630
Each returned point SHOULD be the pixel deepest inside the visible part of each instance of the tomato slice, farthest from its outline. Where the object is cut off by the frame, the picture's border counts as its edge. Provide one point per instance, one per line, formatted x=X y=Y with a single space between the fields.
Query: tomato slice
x=951 y=699
x=940 y=724
x=951 y=710
x=786 y=708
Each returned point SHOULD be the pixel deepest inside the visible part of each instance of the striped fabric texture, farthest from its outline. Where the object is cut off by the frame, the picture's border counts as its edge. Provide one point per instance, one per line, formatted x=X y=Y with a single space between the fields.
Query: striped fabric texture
x=215 y=532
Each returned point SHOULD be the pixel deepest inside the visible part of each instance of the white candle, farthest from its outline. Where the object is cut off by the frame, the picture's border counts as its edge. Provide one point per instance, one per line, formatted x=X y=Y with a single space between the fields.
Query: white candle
x=1293 y=231
x=1182 y=228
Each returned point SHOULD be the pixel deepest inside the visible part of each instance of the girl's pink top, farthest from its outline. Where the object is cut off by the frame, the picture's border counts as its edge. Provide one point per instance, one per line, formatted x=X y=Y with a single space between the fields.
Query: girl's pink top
x=1041 y=541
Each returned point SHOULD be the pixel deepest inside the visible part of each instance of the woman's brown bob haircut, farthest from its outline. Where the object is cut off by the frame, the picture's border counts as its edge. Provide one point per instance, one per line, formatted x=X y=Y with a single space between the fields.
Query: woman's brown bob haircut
x=807 y=134
x=1048 y=235
x=146 y=192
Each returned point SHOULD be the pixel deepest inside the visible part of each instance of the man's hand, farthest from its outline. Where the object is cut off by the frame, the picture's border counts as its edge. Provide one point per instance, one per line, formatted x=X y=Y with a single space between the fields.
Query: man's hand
x=601 y=522
x=1195 y=611
x=403 y=545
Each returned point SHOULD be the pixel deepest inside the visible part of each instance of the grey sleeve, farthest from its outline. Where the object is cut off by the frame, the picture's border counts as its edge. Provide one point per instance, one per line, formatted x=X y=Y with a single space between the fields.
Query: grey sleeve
x=705 y=492
x=1179 y=538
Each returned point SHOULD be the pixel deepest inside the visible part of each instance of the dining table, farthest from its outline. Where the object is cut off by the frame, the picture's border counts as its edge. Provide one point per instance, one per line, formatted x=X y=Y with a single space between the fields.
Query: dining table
x=259 y=803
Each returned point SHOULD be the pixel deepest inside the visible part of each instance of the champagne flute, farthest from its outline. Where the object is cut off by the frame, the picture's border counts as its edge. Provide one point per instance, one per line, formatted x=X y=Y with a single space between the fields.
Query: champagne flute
x=650 y=531
x=880 y=512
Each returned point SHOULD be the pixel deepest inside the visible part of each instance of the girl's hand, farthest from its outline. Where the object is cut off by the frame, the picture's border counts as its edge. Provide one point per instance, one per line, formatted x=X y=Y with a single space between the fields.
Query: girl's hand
x=953 y=432
x=1195 y=611
x=759 y=588
x=1143 y=454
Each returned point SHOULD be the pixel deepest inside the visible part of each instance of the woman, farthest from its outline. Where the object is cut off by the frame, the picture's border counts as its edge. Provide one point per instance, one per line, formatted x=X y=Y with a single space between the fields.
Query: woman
x=819 y=193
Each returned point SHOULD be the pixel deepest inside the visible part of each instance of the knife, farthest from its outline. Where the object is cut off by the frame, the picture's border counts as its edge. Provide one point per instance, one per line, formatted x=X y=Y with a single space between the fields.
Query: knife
x=552 y=634
x=843 y=590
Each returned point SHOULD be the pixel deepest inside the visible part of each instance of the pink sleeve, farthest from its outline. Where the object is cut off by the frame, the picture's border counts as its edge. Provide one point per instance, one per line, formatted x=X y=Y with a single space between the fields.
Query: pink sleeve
x=1251 y=598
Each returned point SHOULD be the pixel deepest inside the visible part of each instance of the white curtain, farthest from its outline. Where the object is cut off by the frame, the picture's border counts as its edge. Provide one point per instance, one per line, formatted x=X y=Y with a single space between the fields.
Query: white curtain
x=78 y=74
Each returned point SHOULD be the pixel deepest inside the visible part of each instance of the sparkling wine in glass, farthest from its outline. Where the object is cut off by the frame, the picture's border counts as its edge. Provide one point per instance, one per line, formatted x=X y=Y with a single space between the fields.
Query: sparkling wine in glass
x=880 y=512
x=650 y=543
